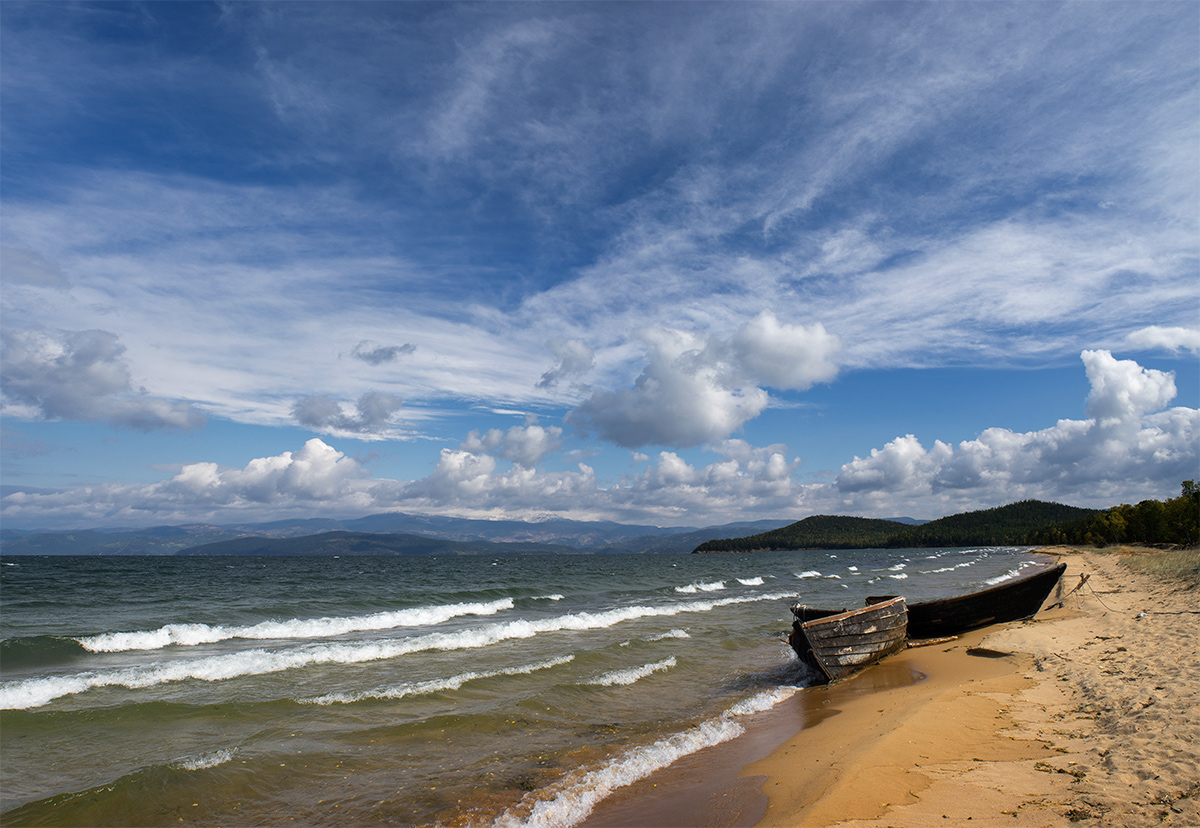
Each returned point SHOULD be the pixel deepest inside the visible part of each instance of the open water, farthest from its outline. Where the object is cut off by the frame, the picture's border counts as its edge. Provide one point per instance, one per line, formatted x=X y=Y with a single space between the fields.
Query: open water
x=400 y=690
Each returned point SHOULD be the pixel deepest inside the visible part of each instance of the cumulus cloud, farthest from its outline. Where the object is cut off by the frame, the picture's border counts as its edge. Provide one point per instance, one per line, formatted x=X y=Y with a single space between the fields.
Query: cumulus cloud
x=81 y=375
x=681 y=399
x=745 y=481
x=523 y=445
x=574 y=358
x=316 y=476
x=1168 y=339
x=1122 y=391
x=373 y=413
x=376 y=354
x=695 y=390
x=315 y=472
x=1127 y=443
x=1130 y=446
x=785 y=356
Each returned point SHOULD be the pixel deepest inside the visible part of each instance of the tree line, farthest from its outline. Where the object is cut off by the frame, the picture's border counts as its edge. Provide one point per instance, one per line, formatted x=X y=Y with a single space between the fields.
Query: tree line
x=1173 y=521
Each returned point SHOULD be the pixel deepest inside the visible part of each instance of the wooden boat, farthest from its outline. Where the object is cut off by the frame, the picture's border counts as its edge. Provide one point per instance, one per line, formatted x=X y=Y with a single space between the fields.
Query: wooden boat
x=838 y=643
x=1007 y=601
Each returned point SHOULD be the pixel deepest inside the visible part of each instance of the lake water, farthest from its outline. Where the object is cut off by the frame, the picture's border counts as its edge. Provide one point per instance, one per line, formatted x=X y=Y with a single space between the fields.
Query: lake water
x=400 y=690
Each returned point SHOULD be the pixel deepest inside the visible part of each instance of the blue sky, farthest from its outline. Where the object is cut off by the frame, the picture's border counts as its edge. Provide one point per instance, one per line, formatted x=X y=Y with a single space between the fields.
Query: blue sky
x=669 y=263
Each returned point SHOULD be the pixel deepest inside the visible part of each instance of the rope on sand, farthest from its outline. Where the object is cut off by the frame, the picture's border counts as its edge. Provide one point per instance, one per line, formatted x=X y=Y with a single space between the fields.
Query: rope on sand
x=1083 y=579
x=1086 y=580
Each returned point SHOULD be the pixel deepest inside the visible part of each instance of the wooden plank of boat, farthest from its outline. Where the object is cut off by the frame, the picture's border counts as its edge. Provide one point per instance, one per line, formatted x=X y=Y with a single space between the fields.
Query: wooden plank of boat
x=1009 y=600
x=841 y=643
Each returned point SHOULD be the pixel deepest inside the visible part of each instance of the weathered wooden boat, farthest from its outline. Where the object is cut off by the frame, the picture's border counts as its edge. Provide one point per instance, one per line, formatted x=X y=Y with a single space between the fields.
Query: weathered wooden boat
x=1007 y=601
x=840 y=642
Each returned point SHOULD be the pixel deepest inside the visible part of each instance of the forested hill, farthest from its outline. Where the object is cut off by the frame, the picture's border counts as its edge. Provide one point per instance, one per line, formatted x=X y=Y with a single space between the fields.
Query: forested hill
x=816 y=532
x=1014 y=524
x=1009 y=525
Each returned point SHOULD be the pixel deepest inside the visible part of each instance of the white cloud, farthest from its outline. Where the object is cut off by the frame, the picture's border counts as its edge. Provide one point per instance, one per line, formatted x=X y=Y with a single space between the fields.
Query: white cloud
x=1168 y=339
x=901 y=465
x=524 y=445
x=695 y=390
x=472 y=102
x=317 y=472
x=1123 y=391
x=81 y=375
x=288 y=484
x=683 y=398
x=1128 y=447
x=785 y=356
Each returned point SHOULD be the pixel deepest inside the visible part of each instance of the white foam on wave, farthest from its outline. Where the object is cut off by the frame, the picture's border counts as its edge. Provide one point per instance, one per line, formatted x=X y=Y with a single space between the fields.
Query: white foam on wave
x=554 y=597
x=22 y=695
x=632 y=674
x=574 y=798
x=902 y=576
x=1012 y=573
x=188 y=635
x=750 y=581
x=669 y=634
x=204 y=760
x=420 y=688
x=809 y=573
x=852 y=568
x=949 y=568
x=897 y=567
x=692 y=589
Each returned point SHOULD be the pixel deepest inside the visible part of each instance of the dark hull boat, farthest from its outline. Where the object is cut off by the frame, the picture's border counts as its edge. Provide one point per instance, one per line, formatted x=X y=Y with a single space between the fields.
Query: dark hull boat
x=1008 y=601
x=838 y=643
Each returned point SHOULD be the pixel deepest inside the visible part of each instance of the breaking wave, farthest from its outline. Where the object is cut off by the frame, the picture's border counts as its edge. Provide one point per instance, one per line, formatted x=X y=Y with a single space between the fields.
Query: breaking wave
x=22 y=695
x=187 y=635
x=434 y=685
x=632 y=674
x=692 y=589
x=574 y=798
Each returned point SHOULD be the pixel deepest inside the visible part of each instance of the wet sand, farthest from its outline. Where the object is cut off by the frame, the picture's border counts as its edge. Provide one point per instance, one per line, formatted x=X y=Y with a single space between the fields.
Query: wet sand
x=1086 y=715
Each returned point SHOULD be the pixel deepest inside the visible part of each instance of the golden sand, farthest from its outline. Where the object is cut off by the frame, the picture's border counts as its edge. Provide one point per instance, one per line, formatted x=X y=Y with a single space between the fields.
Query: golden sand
x=1087 y=715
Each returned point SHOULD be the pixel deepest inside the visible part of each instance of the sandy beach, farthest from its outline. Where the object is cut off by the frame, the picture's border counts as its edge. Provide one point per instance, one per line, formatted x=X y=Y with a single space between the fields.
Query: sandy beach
x=1085 y=715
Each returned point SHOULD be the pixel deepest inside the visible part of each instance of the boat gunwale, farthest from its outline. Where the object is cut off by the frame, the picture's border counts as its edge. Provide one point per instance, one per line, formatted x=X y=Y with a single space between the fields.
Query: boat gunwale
x=876 y=600
x=841 y=616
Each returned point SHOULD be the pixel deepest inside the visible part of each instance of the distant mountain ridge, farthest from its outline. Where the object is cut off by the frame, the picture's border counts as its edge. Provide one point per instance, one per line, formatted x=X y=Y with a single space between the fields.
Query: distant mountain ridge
x=370 y=543
x=554 y=533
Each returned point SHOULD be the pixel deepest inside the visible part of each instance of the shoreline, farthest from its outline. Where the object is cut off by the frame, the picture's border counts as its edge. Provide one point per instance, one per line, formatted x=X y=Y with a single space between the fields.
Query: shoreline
x=1084 y=715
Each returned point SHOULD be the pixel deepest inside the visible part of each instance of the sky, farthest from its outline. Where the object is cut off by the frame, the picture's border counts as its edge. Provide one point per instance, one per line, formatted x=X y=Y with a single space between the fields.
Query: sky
x=659 y=263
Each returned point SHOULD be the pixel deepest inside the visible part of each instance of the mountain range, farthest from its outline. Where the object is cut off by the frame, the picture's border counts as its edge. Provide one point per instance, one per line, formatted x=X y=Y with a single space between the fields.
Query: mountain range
x=457 y=535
